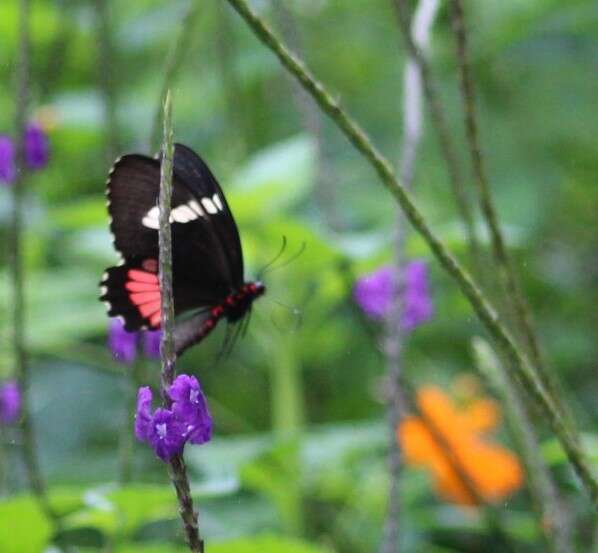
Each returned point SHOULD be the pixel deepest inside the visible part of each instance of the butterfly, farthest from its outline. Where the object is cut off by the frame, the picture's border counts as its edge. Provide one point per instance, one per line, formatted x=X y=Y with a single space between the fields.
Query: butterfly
x=207 y=259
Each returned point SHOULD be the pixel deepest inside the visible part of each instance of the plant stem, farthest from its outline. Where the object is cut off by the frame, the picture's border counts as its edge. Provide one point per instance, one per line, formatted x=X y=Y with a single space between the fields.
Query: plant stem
x=177 y=469
x=395 y=336
x=439 y=120
x=324 y=185
x=106 y=73
x=171 y=67
x=16 y=267
x=130 y=382
x=507 y=273
x=553 y=513
x=287 y=423
x=485 y=312
x=235 y=114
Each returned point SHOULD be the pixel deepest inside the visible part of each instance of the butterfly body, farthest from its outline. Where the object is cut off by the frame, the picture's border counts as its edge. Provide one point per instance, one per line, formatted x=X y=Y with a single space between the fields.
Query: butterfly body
x=207 y=260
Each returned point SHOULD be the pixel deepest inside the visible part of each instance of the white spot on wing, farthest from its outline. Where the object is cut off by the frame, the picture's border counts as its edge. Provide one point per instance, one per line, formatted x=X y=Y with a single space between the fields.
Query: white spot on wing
x=216 y=199
x=150 y=223
x=152 y=218
x=183 y=214
x=209 y=205
x=196 y=207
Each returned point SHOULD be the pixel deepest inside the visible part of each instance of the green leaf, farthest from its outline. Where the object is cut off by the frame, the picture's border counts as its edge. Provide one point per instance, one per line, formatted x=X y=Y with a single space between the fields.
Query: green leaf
x=266 y=544
x=122 y=511
x=23 y=526
x=274 y=180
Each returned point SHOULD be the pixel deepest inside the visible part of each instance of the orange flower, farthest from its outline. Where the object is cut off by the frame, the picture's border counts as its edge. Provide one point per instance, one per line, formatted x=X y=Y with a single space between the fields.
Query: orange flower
x=494 y=471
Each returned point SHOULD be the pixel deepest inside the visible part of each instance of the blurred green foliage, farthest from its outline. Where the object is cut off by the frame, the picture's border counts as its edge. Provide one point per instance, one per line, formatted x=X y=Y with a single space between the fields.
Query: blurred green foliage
x=298 y=462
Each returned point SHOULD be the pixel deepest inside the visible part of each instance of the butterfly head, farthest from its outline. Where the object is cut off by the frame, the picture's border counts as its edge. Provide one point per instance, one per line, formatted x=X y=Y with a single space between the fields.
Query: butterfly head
x=237 y=305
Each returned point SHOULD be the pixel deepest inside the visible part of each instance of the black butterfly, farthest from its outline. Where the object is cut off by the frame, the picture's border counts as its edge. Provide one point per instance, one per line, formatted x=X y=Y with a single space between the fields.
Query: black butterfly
x=206 y=251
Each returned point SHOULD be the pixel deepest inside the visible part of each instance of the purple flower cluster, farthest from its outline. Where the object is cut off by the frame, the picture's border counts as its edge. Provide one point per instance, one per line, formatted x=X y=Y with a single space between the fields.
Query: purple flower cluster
x=37 y=152
x=10 y=402
x=124 y=344
x=168 y=430
x=374 y=294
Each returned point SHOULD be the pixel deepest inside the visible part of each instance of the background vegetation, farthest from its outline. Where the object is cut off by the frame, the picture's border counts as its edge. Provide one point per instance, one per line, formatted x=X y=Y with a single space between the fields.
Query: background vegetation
x=298 y=462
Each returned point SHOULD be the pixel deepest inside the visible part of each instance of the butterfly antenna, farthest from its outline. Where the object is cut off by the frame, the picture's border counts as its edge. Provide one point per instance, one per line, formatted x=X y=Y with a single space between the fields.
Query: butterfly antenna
x=295 y=311
x=283 y=246
x=289 y=260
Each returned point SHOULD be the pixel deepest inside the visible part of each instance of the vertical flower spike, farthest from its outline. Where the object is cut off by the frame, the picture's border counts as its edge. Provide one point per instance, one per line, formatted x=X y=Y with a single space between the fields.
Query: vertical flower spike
x=373 y=293
x=123 y=344
x=7 y=160
x=151 y=343
x=10 y=402
x=37 y=148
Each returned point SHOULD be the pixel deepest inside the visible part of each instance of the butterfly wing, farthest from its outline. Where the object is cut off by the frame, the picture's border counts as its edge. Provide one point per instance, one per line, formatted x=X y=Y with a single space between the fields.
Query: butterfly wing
x=207 y=257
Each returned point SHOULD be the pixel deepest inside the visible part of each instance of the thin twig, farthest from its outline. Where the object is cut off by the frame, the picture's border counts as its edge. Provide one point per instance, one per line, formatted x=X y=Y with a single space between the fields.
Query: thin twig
x=395 y=336
x=507 y=273
x=554 y=516
x=324 y=185
x=177 y=468
x=172 y=65
x=16 y=268
x=439 y=120
x=483 y=309
x=236 y=116
x=106 y=75
x=126 y=446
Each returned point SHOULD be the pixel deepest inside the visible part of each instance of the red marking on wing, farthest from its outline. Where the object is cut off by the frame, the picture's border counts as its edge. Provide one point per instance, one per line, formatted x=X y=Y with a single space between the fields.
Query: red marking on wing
x=155 y=319
x=142 y=298
x=142 y=276
x=134 y=286
x=147 y=310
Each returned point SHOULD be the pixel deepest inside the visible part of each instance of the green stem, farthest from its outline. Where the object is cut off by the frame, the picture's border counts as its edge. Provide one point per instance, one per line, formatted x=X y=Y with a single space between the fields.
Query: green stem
x=507 y=274
x=553 y=514
x=172 y=65
x=177 y=469
x=106 y=75
x=485 y=312
x=439 y=120
x=395 y=339
x=16 y=267
x=287 y=422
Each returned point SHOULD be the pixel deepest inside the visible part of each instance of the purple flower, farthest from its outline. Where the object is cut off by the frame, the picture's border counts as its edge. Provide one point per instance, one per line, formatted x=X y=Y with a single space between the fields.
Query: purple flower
x=37 y=148
x=161 y=429
x=190 y=405
x=7 y=160
x=374 y=293
x=417 y=306
x=167 y=430
x=123 y=344
x=10 y=402
x=151 y=343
